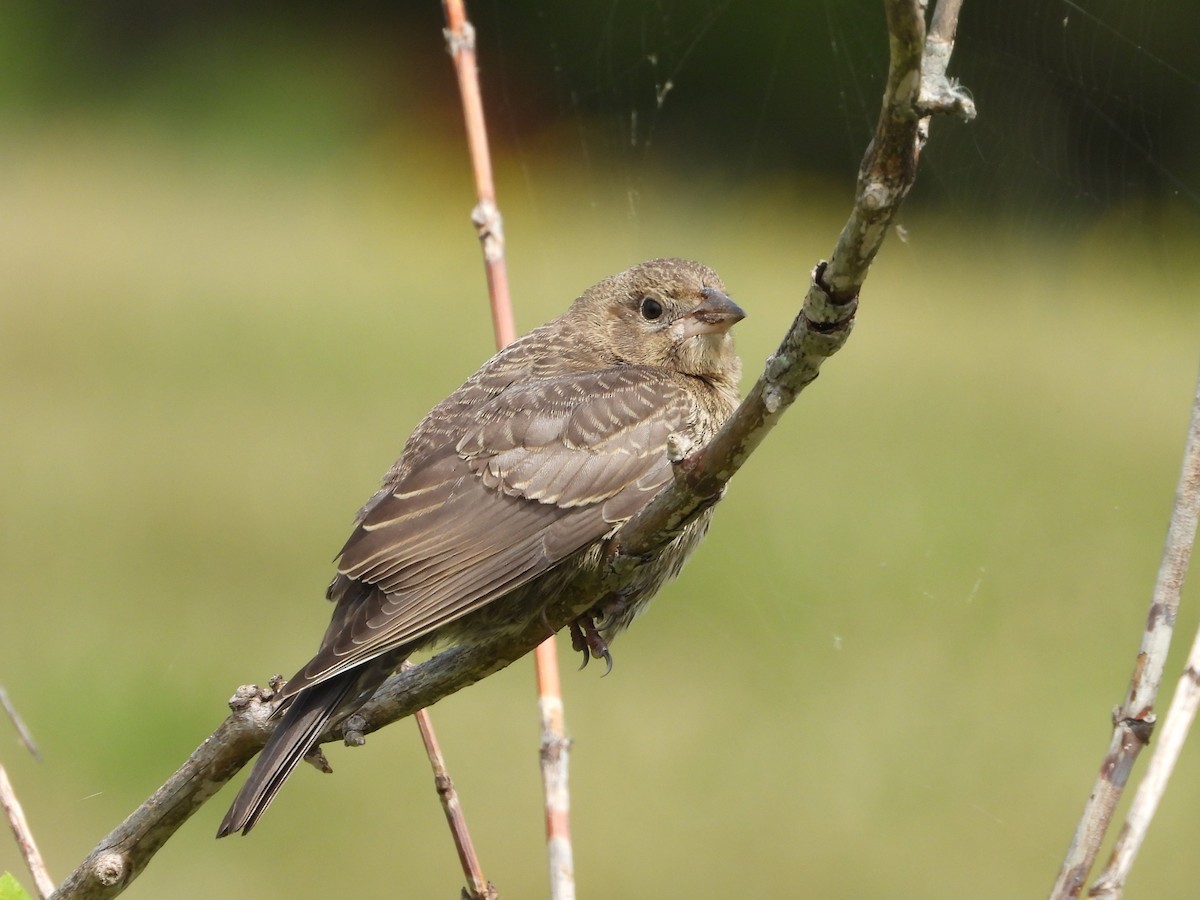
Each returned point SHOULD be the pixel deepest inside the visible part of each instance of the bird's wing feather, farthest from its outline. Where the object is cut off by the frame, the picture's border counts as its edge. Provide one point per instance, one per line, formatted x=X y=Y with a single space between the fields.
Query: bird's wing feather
x=509 y=489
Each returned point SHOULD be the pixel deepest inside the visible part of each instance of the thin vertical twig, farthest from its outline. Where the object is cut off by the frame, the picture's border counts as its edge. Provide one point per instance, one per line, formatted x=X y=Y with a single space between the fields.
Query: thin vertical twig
x=479 y=887
x=24 y=836
x=555 y=750
x=1133 y=720
x=460 y=39
x=1181 y=537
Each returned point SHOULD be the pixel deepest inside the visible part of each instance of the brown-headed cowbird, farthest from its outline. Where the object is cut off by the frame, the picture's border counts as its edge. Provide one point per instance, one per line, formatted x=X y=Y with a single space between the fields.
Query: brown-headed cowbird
x=507 y=491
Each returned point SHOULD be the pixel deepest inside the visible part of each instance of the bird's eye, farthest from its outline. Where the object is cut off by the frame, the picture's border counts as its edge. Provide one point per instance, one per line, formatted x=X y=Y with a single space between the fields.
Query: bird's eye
x=651 y=308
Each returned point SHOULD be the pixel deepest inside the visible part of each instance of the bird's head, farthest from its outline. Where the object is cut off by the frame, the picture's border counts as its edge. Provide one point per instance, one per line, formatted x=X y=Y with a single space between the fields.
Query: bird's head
x=669 y=313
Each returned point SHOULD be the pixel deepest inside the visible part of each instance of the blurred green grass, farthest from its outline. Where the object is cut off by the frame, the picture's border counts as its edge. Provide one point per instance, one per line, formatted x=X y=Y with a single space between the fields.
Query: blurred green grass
x=887 y=673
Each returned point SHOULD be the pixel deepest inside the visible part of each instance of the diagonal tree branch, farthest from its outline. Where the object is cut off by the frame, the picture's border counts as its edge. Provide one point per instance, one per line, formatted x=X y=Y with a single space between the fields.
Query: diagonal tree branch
x=23 y=732
x=24 y=836
x=1134 y=720
x=917 y=87
x=12 y=806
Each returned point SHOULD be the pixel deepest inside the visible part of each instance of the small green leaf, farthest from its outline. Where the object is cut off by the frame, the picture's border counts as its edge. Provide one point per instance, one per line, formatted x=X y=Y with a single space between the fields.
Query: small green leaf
x=10 y=888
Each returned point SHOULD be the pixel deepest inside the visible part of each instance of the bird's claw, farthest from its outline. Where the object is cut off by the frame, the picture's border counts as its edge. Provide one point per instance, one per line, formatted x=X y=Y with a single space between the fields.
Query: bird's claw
x=586 y=639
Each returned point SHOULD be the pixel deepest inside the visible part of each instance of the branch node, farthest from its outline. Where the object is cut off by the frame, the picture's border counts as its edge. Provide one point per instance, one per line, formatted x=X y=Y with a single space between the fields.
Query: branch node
x=490 y=225
x=457 y=43
x=354 y=731
x=248 y=696
x=776 y=398
x=679 y=448
x=820 y=292
x=553 y=747
x=777 y=366
x=876 y=196
x=945 y=96
x=825 y=312
x=1140 y=728
x=941 y=95
x=110 y=868
x=1192 y=675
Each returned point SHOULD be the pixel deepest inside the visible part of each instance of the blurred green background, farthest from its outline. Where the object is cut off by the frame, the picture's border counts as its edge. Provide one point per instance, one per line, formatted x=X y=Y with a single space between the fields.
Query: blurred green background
x=236 y=267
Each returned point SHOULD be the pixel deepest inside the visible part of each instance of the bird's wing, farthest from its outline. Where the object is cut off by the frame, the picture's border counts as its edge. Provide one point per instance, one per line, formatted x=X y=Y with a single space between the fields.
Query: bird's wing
x=525 y=480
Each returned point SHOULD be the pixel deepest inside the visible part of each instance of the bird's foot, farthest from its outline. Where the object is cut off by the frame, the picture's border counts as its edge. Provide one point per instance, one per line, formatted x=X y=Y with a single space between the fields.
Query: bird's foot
x=586 y=639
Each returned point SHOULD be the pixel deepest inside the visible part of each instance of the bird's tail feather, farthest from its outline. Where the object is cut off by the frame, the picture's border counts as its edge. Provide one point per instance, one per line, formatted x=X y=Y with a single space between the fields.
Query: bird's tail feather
x=306 y=717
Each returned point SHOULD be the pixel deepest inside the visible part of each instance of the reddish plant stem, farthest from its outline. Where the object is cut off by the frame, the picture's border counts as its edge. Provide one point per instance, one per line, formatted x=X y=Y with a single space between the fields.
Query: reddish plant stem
x=460 y=38
x=555 y=750
x=479 y=887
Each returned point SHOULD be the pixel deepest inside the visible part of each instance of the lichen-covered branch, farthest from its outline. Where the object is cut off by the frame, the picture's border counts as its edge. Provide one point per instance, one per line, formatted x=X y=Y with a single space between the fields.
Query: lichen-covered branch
x=819 y=330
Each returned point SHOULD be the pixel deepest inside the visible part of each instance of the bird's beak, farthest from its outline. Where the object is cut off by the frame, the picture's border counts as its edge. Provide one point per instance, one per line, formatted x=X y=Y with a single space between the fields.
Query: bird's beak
x=715 y=313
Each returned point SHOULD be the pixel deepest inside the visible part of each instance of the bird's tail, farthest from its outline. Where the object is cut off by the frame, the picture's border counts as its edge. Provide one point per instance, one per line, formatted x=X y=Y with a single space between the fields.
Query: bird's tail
x=303 y=721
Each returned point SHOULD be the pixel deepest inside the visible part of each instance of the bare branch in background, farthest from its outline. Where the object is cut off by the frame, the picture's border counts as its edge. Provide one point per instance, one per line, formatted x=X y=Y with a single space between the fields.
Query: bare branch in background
x=1180 y=716
x=12 y=806
x=24 y=835
x=820 y=329
x=1133 y=720
x=23 y=732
